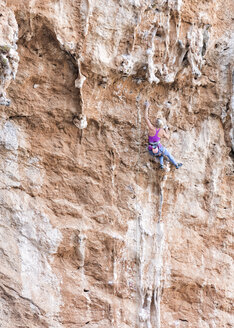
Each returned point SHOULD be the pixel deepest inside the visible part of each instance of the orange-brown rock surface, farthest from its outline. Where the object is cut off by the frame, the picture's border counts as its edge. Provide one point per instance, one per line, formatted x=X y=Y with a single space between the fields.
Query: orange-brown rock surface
x=92 y=233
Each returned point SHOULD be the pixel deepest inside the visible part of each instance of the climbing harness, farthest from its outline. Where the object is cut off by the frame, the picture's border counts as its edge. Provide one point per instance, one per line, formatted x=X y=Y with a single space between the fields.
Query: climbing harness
x=154 y=144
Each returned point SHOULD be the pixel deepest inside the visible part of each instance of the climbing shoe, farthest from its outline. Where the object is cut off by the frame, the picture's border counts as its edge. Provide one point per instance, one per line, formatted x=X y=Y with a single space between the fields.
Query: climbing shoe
x=161 y=167
x=178 y=165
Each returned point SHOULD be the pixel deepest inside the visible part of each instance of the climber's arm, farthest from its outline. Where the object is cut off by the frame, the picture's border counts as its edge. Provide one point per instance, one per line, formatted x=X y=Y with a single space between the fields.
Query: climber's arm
x=166 y=134
x=150 y=126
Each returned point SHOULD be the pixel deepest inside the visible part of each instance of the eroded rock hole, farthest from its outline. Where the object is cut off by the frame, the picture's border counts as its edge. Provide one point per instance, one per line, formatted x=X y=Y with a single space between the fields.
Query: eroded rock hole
x=86 y=290
x=56 y=92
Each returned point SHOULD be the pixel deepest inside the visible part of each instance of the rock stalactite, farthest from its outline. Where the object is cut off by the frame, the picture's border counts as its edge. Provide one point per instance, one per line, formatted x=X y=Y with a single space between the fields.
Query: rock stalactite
x=92 y=233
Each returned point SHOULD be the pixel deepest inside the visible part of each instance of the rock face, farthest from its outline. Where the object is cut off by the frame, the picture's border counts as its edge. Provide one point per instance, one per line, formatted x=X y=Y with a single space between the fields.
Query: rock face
x=93 y=234
x=8 y=51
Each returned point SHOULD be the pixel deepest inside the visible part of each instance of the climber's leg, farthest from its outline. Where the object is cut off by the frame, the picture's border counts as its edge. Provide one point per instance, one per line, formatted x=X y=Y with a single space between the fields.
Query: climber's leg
x=170 y=157
x=161 y=161
x=163 y=151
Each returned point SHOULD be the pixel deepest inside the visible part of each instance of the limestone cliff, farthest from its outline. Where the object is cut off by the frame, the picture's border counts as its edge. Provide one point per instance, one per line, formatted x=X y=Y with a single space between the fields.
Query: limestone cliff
x=93 y=234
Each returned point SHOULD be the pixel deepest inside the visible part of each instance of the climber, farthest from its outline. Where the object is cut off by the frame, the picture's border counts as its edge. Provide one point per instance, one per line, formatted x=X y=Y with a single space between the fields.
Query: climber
x=155 y=134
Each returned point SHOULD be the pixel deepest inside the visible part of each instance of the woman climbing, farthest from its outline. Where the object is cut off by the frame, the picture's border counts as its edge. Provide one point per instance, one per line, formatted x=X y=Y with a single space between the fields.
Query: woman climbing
x=155 y=134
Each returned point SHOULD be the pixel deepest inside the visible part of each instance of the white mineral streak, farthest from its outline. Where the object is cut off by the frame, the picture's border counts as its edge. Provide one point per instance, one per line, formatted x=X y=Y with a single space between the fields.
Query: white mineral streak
x=79 y=84
x=169 y=61
x=8 y=136
x=9 y=58
x=81 y=121
x=175 y=4
x=150 y=248
x=150 y=52
x=167 y=34
x=104 y=43
x=86 y=12
x=195 y=40
x=151 y=241
x=36 y=239
x=109 y=33
x=9 y=162
x=159 y=268
x=232 y=111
